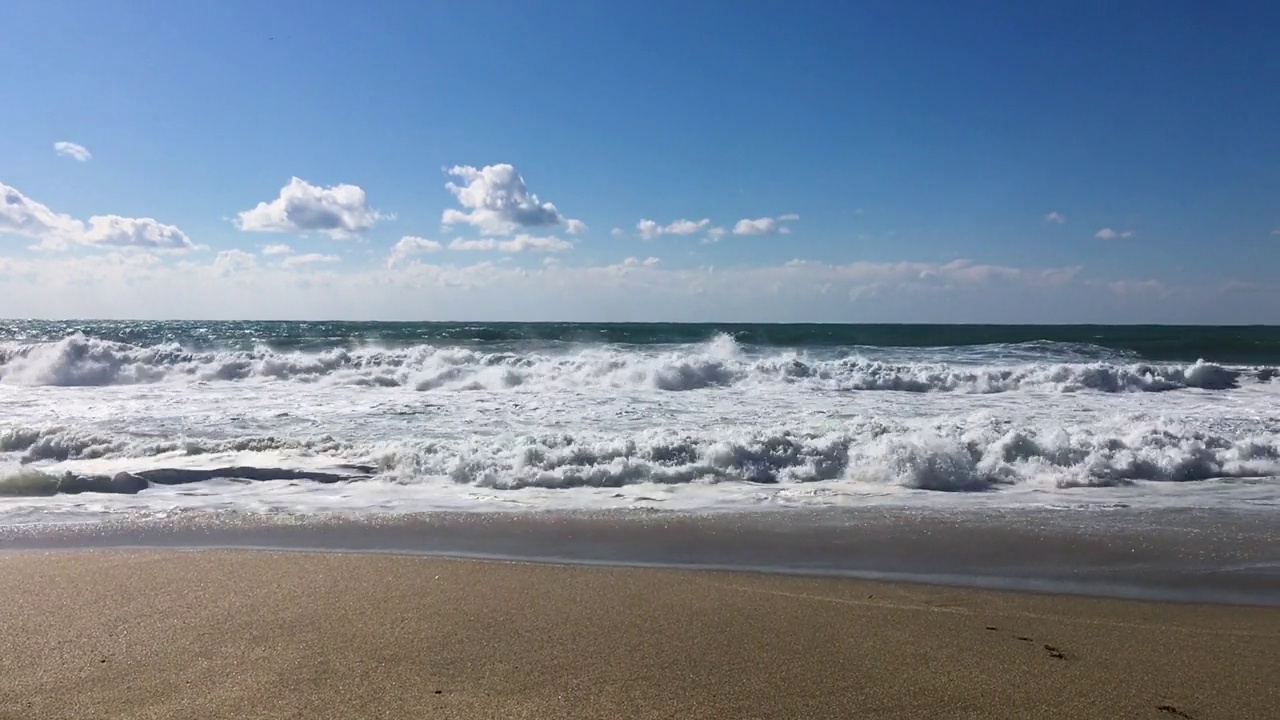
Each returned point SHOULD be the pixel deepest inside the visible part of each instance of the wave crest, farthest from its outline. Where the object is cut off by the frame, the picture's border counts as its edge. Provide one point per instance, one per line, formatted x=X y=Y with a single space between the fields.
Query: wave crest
x=980 y=456
x=83 y=361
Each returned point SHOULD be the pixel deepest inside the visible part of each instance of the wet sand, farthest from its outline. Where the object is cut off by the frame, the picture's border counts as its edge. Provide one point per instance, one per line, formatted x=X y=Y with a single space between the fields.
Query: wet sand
x=161 y=634
x=1218 y=556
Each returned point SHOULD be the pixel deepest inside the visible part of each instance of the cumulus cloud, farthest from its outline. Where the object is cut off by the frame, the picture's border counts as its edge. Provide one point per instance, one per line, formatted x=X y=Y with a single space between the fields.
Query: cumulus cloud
x=650 y=229
x=309 y=259
x=520 y=243
x=339 y=211
x=764 y=225
x=231 y=262
x=1055 y=218
x=72 y=150
x=1109 y=234
x=758 y=226
x=619 y=232
x=116 y=231
x=637 y=262
x=277 y=249
x=716 y=234
x=497 y=202
x=409 y=246
x=20 y=215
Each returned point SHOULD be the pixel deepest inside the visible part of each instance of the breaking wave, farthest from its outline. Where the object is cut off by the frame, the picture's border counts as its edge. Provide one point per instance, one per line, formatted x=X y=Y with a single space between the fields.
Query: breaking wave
x=83 y=361
x=982 y=456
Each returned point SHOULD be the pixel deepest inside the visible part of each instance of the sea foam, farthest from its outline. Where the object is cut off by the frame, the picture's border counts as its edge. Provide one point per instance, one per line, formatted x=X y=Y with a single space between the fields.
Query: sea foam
x=982 y=455
x=78 y=361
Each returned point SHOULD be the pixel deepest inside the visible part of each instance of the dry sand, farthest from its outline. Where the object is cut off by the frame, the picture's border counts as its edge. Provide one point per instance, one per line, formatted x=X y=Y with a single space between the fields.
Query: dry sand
x=214 y=634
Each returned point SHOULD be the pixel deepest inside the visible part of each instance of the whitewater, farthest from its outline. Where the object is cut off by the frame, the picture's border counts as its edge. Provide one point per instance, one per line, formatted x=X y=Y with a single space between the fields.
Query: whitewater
x=126 y=421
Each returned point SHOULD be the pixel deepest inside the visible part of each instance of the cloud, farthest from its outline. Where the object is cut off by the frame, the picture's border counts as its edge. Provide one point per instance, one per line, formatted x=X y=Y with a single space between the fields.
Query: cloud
x=339 y=211
x=72 y=150
x=758 y=226
x=277 y=249
x=20 y=215
x=519 y=243
x=619 y=232
x=1276 y=232
x=309 y=259
x=116 y=231
x=232 y=262
x=1109 y=234
x=650 y=229
x=647 y=262
x=1055 y=218
x=716 y=234
x=764 y=225
x=409 y=246
x=239 y=284
x=497 y=202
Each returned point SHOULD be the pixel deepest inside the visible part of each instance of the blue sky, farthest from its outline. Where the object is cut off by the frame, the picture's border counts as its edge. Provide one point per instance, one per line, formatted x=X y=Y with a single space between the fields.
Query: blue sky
x=943 y=162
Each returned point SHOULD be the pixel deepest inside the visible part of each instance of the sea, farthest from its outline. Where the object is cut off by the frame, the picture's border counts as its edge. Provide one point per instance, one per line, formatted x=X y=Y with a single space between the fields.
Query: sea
x=140 y=420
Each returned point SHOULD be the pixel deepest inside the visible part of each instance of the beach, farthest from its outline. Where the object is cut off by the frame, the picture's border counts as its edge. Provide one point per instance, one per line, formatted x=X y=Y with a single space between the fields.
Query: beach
x=216 y=633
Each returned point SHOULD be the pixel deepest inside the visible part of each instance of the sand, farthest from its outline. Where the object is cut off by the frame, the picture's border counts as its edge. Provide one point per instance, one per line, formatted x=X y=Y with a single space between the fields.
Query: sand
x=240 y=634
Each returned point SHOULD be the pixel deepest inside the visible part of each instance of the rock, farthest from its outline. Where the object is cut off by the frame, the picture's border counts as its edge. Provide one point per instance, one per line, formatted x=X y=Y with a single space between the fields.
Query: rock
x=127 y=483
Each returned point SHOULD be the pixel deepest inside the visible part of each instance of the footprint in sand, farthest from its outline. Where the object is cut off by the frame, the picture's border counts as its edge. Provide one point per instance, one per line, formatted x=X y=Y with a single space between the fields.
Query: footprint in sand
x=1053 y=652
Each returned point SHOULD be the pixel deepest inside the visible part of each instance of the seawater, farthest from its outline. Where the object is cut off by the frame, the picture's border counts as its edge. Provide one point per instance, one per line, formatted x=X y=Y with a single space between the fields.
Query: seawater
x=374 y=418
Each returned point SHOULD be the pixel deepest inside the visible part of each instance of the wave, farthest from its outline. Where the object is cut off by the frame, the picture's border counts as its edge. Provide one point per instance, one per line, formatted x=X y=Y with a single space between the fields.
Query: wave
x=1238 y=344
x=57 y=443
x=84 y=361
x=979 y=456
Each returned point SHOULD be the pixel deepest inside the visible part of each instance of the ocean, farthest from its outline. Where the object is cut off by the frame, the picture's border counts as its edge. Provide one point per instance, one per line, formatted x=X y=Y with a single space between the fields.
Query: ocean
x=135 y=420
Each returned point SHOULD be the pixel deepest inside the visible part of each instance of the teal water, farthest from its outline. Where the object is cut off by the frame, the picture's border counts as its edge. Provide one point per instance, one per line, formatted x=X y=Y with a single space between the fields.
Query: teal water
x=1230 y=344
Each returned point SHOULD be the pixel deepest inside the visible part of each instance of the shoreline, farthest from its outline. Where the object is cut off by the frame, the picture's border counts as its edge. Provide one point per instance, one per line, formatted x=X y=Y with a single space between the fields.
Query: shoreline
x=1172 y=556
x=216 y=633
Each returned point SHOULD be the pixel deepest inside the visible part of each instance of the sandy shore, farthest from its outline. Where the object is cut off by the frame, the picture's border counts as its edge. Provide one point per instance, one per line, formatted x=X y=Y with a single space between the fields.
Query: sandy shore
x=219 y=634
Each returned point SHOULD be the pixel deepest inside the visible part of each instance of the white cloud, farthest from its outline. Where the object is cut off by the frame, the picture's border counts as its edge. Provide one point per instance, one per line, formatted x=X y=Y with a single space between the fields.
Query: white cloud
x=116 y=231
x=232 y=262
x=409 y=246
x=72 y=150
x=619 y=232
x=277 y=249
x=1055 y=218
x=637 y=262
x=758 y=226
x=497 y=202
x=1276 y=232
x=764 y=225
x=1109 y=234
x=650 y=229
x=20 y=215
x=519 y=243
x=309 y=259
x=339 y=211
x=235 y=284
x=716 y=234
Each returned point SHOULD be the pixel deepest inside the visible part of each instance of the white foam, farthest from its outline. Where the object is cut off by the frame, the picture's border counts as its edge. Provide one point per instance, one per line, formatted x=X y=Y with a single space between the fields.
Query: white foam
x=703 y=426
x=80 y=361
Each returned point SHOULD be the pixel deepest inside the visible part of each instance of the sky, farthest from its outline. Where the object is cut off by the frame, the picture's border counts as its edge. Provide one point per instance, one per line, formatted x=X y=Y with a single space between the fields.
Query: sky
x=823 y=161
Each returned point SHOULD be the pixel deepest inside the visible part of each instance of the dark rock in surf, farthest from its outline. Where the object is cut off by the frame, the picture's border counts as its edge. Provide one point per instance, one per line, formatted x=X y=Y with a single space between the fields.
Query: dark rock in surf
x=128 y=483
